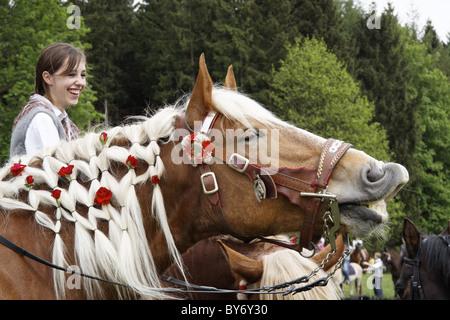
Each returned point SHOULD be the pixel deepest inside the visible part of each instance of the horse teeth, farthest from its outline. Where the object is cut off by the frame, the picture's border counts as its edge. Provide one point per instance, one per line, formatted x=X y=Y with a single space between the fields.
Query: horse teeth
x=379 y=207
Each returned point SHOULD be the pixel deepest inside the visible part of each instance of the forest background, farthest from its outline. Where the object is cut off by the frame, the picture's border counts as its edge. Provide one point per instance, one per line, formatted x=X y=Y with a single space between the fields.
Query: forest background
x=327 y=66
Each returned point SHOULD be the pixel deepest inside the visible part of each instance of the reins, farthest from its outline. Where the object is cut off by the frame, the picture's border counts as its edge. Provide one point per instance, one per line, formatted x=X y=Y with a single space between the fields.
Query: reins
x=14 y=247
x=195 y=288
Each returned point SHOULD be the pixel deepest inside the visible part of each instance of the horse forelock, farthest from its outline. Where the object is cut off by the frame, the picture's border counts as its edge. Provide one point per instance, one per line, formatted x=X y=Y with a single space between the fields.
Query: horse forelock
x=239 y=107
x=122 y=255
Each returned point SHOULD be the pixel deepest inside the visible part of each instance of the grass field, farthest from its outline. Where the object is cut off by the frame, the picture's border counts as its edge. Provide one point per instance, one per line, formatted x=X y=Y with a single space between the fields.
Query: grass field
x=387 y=285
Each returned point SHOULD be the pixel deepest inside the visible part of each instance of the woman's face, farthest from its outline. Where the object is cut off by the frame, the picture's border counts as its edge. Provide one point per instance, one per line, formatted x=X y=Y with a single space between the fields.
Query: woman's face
x=63 y=90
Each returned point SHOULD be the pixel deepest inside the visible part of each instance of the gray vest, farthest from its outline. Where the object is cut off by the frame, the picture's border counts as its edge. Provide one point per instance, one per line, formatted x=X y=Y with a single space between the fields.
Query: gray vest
x=20 y=130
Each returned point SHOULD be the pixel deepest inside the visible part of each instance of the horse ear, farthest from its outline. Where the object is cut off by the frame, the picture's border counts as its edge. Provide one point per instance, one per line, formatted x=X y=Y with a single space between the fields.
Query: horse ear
x=446 y=231
x=412 y=237
x=318 y=258
x=242 y=266
x=201 y=102
x=230 y=81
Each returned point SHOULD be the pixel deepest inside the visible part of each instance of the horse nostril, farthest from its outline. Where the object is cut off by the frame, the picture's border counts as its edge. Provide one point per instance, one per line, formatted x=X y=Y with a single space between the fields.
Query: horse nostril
x=375 y=173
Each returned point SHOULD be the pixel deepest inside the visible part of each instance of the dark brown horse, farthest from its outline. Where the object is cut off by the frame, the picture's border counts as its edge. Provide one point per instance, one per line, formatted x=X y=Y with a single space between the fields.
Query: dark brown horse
x=232 y=264
x=112 y=219
x=392 y=260
x=425 y=265
x=360 y=255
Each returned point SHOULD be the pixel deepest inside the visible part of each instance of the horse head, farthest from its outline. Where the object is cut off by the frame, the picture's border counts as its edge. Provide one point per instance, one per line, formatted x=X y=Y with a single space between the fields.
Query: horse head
x=425 y=265
x=242 y=130
x=274 y=265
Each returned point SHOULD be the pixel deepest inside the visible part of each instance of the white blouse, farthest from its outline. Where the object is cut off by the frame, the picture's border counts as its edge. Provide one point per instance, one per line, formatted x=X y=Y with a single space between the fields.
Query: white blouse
x=42 y=132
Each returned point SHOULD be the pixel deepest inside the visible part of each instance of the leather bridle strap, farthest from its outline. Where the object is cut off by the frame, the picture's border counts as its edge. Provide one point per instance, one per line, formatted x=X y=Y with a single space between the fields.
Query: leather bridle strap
x=331 y=154
x=416 y=292
x=303 y=187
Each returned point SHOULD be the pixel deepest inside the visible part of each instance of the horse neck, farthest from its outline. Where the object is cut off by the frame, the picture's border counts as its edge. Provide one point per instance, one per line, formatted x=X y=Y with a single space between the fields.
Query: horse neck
x=186 y=209
x=395 y=259
x=434 y=267
x=433 y=286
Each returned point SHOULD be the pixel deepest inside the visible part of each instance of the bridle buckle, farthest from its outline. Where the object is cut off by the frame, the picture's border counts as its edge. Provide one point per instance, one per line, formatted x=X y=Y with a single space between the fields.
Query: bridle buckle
x=238 y=158
x=216 y=186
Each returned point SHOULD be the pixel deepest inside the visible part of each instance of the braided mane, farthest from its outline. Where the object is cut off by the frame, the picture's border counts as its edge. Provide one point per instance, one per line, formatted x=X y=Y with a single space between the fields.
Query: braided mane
x=122 y=253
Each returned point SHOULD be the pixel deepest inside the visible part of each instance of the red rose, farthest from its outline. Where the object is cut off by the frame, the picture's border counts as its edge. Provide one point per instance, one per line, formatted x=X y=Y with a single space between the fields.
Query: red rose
x=103 y=196
x=103 y=138
x=29 y=179
x=29 y=182
x=56 y=194
x=131 y=162
x=66 y=171
x=155 y=179
x=17 y=169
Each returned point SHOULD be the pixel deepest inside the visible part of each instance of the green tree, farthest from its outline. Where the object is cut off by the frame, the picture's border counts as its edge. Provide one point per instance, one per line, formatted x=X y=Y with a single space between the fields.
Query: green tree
x=429 y=185
x=270 y=25
x=313 y=90
x=112 y=55
x=249 y=34
x=430 y=38
x=321 y=19
x=172 y=36
x=26 y=27
x=385 y=73
x=383 y=70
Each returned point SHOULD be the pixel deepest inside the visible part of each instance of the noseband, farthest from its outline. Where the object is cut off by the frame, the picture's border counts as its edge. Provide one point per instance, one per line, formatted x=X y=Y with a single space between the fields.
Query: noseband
x=304 y=187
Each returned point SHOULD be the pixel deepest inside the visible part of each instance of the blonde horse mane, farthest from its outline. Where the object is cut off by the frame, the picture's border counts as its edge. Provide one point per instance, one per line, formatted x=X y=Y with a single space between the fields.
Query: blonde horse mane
x=286 y=265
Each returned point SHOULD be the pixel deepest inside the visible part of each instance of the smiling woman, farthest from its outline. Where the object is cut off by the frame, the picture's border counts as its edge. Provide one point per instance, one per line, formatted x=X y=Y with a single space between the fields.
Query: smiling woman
x=59 y=80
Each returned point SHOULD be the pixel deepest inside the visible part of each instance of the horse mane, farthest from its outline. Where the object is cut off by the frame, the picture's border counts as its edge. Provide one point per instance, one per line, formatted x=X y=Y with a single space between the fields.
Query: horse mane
x=122 y=255
x=285 y=265
x=436 y=253
x=238 y=107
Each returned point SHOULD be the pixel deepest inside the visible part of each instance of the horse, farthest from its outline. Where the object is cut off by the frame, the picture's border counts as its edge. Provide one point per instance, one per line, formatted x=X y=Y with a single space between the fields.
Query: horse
x=392 y=259
x=355 y=278
x=123 y=204
x=359 y=255
x=425 y=272
x=231 y=264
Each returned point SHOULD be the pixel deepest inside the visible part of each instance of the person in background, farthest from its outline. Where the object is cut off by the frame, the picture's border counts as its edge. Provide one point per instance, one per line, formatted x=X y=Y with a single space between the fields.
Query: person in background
x=59 y=80
x=377 y=269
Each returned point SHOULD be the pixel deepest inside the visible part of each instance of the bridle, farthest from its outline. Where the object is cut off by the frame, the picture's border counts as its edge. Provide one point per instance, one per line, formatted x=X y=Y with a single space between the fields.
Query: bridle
x=416 y=291
x=304 y=187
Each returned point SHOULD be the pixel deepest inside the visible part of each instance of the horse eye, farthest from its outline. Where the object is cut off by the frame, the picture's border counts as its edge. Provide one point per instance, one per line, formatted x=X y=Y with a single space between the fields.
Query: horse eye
x=251 y=134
